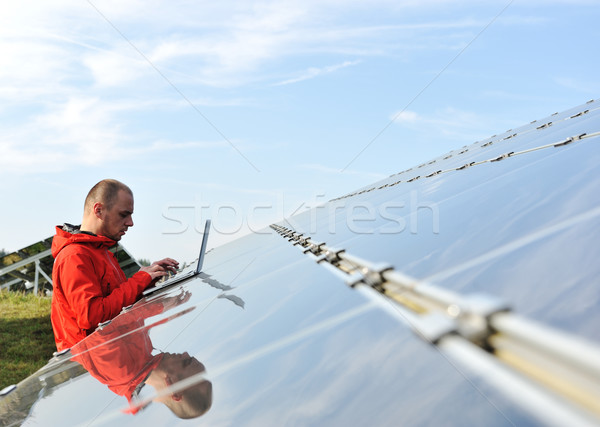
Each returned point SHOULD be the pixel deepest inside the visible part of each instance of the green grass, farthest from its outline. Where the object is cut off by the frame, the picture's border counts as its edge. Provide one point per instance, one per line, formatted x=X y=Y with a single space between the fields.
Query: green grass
x=26 y=337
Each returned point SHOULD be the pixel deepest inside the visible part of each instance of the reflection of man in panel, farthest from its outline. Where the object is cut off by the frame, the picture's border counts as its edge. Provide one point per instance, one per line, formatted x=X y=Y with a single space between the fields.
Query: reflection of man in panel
x=121 y=356
x=190 y=402
x=89 y=285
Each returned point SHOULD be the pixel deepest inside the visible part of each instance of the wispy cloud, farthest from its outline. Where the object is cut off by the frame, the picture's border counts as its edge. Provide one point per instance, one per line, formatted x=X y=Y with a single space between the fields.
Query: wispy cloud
x=591 y=88
x=451 y=123
x=230 y=49
x=336 y=171
x=80 y=131
x=315 y=72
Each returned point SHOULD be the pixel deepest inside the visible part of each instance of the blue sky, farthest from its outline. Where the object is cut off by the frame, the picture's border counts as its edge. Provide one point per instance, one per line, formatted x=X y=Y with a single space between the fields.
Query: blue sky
x=245 y=112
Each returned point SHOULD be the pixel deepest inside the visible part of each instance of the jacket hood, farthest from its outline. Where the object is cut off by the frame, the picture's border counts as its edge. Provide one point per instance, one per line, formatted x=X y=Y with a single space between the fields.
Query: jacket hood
x=68 y=233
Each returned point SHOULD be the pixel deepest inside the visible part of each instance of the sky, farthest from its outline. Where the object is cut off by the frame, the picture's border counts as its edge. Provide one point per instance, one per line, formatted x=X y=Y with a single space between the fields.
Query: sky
x=248 y=112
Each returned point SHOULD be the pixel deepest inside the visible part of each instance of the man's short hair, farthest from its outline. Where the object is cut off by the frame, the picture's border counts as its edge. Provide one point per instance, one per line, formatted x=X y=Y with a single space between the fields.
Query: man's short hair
x=105 y=192
x=196 y=401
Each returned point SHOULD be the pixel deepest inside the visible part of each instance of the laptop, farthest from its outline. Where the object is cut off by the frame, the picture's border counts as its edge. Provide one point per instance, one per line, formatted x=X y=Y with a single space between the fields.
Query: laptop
x=179 y=277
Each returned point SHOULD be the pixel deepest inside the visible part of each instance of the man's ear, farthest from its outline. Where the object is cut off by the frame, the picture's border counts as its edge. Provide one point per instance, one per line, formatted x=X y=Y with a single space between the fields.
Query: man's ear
x=98 y=210
x=174 y=396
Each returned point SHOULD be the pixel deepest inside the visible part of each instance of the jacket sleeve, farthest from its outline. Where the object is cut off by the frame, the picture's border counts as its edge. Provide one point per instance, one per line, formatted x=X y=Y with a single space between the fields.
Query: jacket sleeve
x=83 y=291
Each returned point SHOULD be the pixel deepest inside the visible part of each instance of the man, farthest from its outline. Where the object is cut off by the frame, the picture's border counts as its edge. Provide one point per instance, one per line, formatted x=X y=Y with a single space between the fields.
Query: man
x=89 y=285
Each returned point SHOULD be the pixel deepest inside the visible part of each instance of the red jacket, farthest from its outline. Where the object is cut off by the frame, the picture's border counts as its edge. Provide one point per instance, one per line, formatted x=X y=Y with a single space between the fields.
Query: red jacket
x=89 y=286
x=120 y=355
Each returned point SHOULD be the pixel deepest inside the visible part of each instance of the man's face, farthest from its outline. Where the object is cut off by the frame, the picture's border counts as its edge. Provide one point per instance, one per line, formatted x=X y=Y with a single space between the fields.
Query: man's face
x=181 y=366
x=117 y=219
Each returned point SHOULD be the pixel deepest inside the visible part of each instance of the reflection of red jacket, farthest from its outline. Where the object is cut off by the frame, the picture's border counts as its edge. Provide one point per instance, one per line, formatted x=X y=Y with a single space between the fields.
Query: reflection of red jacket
x=120 y=355
x=89 y=286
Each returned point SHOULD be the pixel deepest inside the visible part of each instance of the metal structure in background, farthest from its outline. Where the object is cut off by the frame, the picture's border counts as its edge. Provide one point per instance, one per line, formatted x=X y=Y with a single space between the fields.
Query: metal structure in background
x=30 y=268
x=460 y=292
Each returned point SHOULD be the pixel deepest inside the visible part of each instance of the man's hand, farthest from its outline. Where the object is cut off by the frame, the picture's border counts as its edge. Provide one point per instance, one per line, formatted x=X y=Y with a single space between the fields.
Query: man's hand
x=168 y=264
x=172 y=302
x=155 y=271
x=161 y=268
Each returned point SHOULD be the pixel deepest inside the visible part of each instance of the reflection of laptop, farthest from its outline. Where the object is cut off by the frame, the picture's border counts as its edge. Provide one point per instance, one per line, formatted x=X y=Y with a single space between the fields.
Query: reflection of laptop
x=191 y=273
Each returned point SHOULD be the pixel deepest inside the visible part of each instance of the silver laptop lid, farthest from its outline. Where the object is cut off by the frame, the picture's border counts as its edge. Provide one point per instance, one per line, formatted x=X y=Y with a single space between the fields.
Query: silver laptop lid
x=203 y=246
x=181 y=276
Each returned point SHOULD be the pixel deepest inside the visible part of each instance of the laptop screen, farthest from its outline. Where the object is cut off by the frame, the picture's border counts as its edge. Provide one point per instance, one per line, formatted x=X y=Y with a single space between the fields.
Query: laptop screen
x=203 y=246
x=181 y=276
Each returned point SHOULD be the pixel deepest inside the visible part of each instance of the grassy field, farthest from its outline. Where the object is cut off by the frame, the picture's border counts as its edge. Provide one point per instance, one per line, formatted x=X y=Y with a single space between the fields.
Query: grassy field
x=26 y=338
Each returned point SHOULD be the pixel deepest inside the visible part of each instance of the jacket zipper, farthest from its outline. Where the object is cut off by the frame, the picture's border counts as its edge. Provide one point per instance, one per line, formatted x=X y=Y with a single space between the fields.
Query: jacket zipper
x=112 y=262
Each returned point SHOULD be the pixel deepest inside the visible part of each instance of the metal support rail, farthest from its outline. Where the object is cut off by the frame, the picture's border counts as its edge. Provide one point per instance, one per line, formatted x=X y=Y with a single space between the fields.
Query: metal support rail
x=12 y=269
x=545 y=362
x=503 y=156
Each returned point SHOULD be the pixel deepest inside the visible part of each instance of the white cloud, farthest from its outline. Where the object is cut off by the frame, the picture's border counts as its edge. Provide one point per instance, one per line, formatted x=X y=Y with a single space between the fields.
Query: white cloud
x=337 y=171
x=30 y=70
x=406 y=117
x=451 y=123
x=588 y=87
x=80 y=131
x=315 y=72
x=112 y=69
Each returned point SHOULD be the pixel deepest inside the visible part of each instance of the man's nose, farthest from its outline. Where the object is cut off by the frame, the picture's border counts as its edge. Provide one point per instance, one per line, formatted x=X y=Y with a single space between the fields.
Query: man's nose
x=129 y=222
